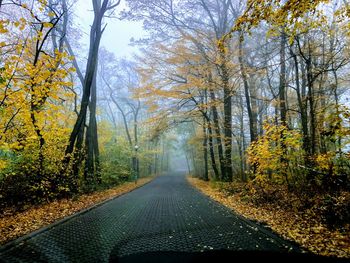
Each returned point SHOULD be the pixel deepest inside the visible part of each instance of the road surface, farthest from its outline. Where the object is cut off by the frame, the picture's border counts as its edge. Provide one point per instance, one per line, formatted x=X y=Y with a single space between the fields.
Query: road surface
x=167 y=215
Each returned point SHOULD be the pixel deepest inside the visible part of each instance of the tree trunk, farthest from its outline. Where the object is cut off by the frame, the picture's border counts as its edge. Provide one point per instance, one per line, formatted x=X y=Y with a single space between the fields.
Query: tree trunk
x=156 y=159
x=283 y=83
x=92 y=163
x=301 y=104
x=242 y=142
x=313 y=142
x=252 y=124
x=218 y=135
x=282 y=105
x=227 y=124
x=136 y=113
x=88 y=82
x=211 y=151
x=96 y=32
x=205 y=152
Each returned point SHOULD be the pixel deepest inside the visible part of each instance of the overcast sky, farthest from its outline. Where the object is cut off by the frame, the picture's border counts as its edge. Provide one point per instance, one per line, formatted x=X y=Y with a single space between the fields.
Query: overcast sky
x=117 y=35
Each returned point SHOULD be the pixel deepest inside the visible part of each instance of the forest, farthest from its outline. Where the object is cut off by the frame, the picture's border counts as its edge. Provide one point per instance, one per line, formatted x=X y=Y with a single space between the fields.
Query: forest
x=254 y=95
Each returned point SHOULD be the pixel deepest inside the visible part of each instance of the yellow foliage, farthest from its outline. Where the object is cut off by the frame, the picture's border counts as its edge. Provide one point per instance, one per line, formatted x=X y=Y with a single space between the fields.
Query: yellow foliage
x=33 y=97
x=3 y=26
x=324 y=161
x=271 y=154
x=277 y=12
x=3 y=164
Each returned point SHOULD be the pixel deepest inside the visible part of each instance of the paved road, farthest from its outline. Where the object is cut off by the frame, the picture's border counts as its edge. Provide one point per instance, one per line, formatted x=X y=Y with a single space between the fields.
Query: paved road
x=165 y=215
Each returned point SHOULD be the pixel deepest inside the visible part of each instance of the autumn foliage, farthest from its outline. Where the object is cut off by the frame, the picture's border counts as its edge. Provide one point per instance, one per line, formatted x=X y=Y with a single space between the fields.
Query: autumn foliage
x=261 y=94
x=35 y=92
x=255 y=93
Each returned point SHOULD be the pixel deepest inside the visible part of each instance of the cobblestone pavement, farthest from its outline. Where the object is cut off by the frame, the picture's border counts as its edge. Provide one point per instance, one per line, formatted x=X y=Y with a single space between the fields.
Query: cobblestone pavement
x=165 y=215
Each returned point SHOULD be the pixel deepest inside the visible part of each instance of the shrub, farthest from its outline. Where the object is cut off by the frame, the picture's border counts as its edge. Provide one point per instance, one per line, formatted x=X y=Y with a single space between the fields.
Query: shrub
x=23 y=182
x=115 y=164
x=336 y=210
x=274 y=155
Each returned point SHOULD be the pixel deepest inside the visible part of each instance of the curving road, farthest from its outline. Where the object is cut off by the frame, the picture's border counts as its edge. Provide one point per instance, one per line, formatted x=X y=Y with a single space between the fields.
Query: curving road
x=166 y=215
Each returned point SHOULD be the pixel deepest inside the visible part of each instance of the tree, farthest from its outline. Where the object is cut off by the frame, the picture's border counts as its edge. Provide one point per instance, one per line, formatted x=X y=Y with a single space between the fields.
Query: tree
x=219 y=20
x=34 y=97
x=125 y=82
x=89 y=94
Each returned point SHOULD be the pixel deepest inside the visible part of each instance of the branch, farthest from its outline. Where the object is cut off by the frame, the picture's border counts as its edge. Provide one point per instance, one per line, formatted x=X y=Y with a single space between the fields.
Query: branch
x=113 y=6
x=75 y=63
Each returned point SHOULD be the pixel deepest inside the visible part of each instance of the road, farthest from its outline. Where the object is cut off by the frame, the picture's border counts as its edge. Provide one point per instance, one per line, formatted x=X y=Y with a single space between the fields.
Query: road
x=167 y=215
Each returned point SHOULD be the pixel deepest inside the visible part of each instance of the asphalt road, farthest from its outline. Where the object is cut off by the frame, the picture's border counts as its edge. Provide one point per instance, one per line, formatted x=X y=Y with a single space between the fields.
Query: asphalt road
x=164 y=219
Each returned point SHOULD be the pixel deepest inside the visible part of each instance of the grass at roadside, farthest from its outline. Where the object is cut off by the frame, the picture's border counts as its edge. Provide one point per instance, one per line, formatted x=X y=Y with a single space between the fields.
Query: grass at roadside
x=297 y=226
x=17 y=224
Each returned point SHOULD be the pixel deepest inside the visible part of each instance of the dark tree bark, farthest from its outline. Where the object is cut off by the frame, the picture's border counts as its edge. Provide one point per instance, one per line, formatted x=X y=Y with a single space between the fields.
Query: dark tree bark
x=228 y=133
x=252 y=121
x=205 y=151
x=241 y=142
x=212 y=152
x=215 y=115
x=283 y=81
x=302 y=103
x=312 y=114
x=91 y=67
x=282 y=104
x=308 y=81
x=224 y=72
x=92 y=164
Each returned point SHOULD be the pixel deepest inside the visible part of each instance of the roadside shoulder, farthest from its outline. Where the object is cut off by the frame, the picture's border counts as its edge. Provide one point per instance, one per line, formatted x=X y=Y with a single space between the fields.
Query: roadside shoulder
x=310 y=235
x=40 y=218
